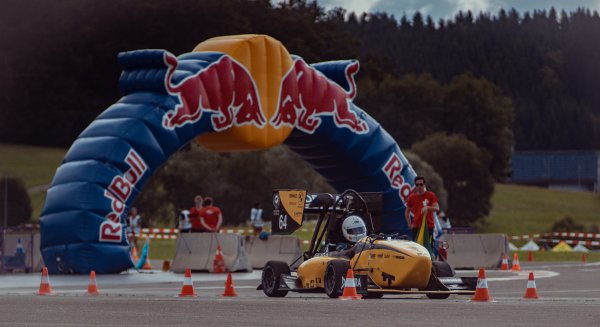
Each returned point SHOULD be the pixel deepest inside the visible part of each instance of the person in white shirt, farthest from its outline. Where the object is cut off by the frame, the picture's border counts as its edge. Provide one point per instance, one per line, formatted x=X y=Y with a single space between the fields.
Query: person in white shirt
x=256 y=219
x=135 y=225
x=185 y=225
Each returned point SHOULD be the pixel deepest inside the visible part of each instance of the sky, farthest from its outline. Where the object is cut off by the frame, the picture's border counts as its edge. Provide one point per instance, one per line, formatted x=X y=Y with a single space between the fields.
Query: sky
x=448 y=8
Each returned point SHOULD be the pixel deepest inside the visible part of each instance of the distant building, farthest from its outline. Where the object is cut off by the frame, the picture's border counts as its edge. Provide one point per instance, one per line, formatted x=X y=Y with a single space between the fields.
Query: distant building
x=571 y=170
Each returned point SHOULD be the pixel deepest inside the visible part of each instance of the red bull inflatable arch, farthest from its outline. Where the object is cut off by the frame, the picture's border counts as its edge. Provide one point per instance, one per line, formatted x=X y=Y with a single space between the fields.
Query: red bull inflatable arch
x=239 y=92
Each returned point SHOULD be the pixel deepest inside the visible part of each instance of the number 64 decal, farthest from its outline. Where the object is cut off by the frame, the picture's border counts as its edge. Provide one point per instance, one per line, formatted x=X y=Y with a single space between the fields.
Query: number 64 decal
x=282 y=222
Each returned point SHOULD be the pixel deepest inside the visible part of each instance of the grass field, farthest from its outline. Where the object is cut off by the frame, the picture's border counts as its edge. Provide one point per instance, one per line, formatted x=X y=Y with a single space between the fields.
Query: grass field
x=35 y=165
x=523 y=210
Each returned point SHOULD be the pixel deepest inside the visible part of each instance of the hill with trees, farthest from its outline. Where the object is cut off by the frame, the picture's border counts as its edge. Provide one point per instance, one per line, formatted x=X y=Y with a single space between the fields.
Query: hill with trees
x=499 y=82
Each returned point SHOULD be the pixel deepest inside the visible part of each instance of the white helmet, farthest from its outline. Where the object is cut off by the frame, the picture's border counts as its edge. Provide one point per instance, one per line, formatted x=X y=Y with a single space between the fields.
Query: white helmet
x=354 y=228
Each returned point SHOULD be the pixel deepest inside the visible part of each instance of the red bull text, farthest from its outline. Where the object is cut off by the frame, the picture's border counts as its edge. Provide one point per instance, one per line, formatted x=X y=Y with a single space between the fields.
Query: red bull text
x=118 y=192
x=393 y=170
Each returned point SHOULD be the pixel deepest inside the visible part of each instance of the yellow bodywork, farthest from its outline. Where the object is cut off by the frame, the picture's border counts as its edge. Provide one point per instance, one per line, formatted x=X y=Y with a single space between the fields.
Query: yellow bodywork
x=391 y=264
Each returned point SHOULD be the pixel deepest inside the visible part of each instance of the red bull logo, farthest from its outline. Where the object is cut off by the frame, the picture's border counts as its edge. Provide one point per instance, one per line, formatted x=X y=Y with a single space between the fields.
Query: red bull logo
x=393 y=171
x=224 y=88
x=306 y=95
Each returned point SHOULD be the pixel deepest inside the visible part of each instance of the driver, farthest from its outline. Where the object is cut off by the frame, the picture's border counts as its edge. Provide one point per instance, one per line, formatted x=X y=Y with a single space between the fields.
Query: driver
x=353 y=229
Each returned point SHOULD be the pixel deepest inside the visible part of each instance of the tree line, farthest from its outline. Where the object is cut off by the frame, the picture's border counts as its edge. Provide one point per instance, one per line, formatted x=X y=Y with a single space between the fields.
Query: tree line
x=481 y=85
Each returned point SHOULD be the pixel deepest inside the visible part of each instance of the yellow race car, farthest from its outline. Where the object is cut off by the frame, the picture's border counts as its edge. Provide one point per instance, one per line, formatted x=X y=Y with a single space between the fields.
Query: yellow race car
x=382 y=264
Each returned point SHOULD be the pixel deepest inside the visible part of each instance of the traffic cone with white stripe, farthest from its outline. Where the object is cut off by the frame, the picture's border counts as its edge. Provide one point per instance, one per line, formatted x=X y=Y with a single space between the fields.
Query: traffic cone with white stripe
x=583 y=258
x=530 y=256
x=92 y=287
x=504 y=265
x=45 y=288
x=481 y=292
x=531 y=291
x=188 y=284
x=219 y=261
x=515 y=264
x=350 y=287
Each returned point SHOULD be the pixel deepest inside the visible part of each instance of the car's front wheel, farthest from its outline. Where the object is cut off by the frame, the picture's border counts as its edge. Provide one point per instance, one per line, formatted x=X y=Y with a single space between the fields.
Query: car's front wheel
x=271 y=278
x=335 y=273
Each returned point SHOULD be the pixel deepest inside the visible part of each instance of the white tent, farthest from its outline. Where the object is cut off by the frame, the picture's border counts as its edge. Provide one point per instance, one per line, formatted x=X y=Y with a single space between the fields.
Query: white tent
x=580 y=248
x=530 y=246
x=512 y=247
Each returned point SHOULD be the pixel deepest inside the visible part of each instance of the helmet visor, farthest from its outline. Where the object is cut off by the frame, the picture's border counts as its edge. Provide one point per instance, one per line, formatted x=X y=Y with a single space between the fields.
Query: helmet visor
x=356 y=230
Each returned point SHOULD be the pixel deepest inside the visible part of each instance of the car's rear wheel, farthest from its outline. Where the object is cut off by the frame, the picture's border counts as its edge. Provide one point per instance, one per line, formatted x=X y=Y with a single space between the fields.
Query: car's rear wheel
x=334 y=275
x=373 y=295
x=271 y=278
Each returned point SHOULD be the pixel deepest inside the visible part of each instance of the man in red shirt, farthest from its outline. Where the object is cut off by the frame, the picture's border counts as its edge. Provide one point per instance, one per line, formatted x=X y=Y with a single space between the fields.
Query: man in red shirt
x=210 y=216
x=421 y=203
x=194 y=215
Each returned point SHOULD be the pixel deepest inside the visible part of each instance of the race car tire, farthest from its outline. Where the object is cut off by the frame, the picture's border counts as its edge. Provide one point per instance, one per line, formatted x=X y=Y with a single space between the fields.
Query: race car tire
x=271 y=278
x=373 y=295
x=334 y=275
x=435 y=296
x=442 y=269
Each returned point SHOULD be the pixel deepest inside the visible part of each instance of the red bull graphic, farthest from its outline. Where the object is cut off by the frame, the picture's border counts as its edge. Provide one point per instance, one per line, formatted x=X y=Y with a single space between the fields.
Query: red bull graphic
x=393 y=171
x=306 y=94
x=224 y=88
x=239 y=92
x=119 y=191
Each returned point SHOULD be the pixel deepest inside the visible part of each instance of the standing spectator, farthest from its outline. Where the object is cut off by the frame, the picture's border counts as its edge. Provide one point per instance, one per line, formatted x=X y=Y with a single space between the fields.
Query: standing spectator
x=420 y=204
x=210 y=216
x=184 y=225
x=135 y=225
x=194 y=214
x=256 y=219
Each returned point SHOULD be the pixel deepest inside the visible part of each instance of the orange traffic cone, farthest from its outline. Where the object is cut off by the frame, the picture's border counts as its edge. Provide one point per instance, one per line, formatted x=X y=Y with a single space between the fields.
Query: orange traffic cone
x=166 y=265
x=229 y=290
x=147 y=265
x=134 y=255
x=188 y=284
x=350 y=287
x=92 y=287
x=515 y=264
x=504 y=262
x=481 y=292
x=45 y=288
x=530 y=256
x=583 y=258
x=531 y=291
x=219 y=261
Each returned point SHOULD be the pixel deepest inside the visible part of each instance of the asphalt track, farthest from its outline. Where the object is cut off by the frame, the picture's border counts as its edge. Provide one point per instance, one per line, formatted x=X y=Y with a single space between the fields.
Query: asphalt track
x=570 y=296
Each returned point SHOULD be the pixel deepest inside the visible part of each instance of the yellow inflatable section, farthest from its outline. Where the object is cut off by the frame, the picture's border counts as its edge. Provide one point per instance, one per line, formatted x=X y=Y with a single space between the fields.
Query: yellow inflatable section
x=267 y=60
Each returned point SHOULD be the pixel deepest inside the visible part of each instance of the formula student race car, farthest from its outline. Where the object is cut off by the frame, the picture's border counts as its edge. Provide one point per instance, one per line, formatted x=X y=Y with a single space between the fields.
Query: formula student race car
x=382 y=264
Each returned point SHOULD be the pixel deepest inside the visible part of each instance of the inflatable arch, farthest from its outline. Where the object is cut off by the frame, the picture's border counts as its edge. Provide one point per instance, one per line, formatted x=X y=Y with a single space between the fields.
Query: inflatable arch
x=231 y=93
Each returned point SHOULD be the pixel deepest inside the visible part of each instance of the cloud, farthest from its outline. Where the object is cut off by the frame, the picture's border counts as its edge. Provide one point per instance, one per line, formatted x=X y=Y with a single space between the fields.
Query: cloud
x=447 y=9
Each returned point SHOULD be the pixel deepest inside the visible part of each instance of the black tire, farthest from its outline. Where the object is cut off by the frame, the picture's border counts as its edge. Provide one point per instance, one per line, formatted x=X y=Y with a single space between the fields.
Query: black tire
x=434 y=296
x=271 y=278
x=439 y=269
x=442 y=269
x=334 y=273
x=373 y=295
